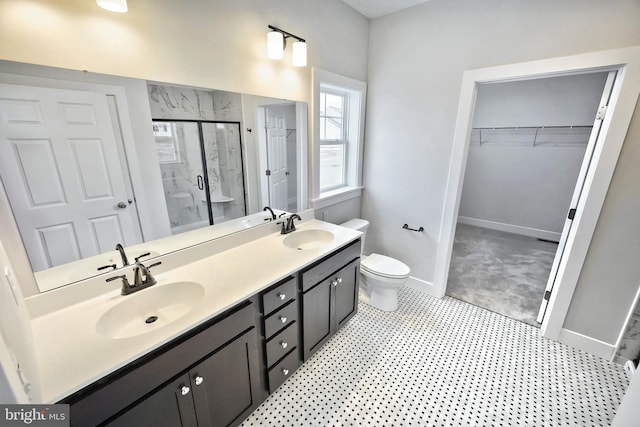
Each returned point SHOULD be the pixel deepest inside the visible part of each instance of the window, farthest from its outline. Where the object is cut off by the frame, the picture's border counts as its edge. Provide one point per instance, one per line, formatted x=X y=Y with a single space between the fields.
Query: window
x=166 y=142
x=333 y=138
x=338 y=130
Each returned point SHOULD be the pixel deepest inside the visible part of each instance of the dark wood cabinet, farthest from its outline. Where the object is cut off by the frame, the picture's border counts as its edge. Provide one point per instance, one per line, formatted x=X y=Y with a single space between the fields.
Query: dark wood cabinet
x=329 y=303
x=210 y=377
x=171 y=406
x=218 y=392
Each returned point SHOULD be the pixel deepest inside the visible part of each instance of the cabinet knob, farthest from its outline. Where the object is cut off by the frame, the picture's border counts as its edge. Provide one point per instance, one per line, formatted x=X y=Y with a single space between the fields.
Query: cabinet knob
x=283 y=319
x=284 y=344
x=199 y=380
x=285 y=371
x=339 y=279
x=184 y=390
x=281 y=296
x=334 y=283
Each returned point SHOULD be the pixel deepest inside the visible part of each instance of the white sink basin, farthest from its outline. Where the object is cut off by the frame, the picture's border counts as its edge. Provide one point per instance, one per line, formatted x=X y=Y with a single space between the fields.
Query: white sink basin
x=149 y=309
x=308 y=239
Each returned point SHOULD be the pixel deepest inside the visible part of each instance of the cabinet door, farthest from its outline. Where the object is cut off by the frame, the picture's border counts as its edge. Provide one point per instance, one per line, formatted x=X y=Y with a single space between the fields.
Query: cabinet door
x=346 y=293
x=170 y=406
x=316 y=317
x=225 y=385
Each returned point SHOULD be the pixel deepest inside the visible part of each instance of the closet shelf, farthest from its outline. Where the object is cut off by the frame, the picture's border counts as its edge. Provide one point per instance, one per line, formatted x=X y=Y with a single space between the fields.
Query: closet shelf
x=570 y=135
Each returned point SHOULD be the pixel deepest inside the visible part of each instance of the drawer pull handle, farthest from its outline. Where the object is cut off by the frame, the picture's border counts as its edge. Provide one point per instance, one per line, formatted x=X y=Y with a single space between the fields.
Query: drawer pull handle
x=184 y=390
x=199 y=380
x=285 y=371
x=283 y=344
x=281 y=296
x=283 y=319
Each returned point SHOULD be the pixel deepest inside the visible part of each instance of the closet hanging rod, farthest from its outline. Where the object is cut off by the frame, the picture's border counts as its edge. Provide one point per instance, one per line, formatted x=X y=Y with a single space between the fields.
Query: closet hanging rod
x=533 y=127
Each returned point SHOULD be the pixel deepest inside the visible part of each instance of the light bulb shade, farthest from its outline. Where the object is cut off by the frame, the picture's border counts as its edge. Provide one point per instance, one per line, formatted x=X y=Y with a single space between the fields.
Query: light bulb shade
x=299 y=54
x=119 y=6
x=275 y=45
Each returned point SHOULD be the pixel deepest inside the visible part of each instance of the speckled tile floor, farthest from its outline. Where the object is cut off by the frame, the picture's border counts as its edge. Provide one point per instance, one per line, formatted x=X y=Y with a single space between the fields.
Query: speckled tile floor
x=443 y=362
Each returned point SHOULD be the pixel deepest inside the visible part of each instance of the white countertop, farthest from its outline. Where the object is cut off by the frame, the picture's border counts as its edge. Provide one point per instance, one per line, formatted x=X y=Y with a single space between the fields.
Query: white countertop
x=71 y=354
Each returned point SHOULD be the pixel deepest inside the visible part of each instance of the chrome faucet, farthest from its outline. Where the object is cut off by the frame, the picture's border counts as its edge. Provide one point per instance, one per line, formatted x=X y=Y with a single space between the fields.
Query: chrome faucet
x=123 y=255
x=273 y=215
x=289 y=226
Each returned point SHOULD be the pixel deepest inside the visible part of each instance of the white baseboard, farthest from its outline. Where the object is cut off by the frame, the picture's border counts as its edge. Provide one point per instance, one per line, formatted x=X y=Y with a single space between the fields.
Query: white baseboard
x=510 y=228
x=588 y=344
x=422 y=285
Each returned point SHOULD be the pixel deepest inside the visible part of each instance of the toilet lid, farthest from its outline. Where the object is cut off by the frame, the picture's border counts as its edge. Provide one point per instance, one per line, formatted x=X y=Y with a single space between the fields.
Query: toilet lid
x=385 y=266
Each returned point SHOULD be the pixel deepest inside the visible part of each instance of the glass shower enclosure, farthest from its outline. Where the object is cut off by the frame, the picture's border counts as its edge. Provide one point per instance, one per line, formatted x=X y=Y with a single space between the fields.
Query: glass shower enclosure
x=202 y=172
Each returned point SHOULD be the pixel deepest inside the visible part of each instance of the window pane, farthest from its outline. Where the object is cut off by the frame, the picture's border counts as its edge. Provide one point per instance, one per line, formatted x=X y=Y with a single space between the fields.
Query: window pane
x=334 y=105
x=331 y=165
x=333 y=129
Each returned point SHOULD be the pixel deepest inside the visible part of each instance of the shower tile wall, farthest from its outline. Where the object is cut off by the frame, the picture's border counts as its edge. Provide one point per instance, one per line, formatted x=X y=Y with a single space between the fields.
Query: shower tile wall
x=629 y=348
x=183 y=103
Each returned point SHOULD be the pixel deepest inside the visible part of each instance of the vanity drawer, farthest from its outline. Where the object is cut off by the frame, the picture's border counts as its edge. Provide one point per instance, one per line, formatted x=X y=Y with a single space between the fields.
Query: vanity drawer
x=282 y=343
x=280 y=319
x=279 y=295
x=283 y=370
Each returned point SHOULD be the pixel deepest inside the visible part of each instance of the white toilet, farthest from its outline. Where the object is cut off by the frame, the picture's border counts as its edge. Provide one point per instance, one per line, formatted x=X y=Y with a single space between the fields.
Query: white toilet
x=381 y=276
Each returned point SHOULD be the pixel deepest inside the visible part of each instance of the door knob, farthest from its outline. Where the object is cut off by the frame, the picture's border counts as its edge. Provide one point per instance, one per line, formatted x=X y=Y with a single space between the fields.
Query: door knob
x=122 y=205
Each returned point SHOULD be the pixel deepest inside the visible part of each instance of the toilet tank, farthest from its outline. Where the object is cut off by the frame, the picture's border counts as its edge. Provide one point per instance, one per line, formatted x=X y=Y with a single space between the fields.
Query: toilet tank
x=358 y=224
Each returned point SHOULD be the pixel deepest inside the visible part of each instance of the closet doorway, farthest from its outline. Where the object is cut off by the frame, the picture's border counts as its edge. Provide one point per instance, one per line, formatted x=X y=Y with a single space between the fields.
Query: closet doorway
x=529 y=152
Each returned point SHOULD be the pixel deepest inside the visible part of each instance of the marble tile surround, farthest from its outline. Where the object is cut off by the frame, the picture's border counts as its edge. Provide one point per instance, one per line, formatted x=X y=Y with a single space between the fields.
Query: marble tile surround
x=222 y=150
x=629 y=347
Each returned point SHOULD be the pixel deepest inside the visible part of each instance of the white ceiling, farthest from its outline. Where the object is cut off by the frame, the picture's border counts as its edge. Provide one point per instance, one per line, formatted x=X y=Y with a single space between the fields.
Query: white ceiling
x=377 y=8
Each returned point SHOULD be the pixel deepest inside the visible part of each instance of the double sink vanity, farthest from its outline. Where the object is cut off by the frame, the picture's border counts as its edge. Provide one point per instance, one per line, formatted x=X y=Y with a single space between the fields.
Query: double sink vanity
x=227 y=322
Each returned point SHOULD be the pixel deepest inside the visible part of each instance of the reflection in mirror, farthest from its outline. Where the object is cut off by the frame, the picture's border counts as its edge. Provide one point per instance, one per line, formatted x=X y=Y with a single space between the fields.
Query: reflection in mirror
x=89 y=161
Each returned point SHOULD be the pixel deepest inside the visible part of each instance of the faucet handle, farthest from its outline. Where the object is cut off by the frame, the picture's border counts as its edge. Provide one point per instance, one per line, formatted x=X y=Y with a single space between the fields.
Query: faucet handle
x=155 y=264
x=125 y=283
x=111 y=266
x=142 y=256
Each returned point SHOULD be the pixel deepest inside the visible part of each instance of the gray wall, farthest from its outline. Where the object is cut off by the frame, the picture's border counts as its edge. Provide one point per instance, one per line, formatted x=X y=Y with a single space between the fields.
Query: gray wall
x=611 y=273
x=416 y=61
x=512 y=184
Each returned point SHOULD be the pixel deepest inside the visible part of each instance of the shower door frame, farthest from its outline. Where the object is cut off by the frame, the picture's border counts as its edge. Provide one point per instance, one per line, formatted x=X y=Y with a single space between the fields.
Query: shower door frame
x=203 y=158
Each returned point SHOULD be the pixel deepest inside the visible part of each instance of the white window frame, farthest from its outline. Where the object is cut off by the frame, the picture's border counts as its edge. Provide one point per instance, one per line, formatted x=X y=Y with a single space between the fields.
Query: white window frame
x=357 y=91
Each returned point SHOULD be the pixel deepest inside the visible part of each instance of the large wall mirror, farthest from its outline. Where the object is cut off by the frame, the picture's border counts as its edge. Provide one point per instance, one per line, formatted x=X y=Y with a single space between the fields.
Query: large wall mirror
x=89 y=162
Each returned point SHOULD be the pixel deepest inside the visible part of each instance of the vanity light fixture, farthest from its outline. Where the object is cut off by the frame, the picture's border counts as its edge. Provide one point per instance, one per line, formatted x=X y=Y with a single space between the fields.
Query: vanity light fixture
x=119 y=6
x=277 y=41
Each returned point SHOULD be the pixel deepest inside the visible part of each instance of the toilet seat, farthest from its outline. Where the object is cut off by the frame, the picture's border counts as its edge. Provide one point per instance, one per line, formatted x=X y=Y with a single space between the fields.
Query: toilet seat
x=384 y=266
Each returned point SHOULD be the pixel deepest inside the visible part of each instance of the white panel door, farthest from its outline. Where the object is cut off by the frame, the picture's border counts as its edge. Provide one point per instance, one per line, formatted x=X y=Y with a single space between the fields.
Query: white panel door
x=577 y=192
x=60 y=168
x=277 y=158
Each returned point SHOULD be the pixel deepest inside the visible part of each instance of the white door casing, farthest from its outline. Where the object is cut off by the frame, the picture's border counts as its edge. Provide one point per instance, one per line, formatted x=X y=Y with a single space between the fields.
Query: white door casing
x=614 y=128
x=582 y=175
x=276 y=129
x=60 y=168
